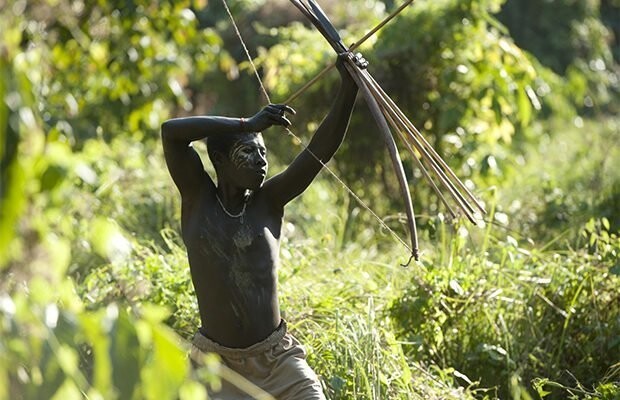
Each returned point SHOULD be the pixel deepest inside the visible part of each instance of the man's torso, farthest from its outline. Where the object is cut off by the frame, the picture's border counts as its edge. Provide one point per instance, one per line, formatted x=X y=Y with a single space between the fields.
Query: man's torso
x=233 y=264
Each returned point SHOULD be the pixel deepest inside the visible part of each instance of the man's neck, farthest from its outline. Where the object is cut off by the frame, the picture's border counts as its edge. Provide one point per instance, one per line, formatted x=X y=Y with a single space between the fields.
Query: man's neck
x=232 y=198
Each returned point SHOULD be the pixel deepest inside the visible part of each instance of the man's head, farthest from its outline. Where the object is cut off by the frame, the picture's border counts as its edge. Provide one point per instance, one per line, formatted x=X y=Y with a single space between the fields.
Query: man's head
x=239 y=158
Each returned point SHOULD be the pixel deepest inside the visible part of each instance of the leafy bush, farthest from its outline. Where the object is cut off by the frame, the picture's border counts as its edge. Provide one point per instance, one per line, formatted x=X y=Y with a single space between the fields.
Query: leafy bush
x=103 y=70
x=152 y=275
x=463 y=80
x=52 y=348
x=517 y=314
x=577 y=45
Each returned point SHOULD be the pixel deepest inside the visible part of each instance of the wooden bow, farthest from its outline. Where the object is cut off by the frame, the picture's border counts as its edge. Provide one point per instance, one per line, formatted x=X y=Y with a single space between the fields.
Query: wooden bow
x=387 y=114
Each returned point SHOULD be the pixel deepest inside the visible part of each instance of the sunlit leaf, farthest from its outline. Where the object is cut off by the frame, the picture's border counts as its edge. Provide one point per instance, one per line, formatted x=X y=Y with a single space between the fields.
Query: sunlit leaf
x=167 y=367
x=68 y=391
x=4 y=381
x=125 y=356
x=108 y=240
x=524 y=106
x=193 y=391
x=98 y=338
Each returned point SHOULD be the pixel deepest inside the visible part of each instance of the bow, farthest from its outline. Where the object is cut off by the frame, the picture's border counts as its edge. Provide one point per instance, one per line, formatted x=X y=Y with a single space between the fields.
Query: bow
x=387 y=115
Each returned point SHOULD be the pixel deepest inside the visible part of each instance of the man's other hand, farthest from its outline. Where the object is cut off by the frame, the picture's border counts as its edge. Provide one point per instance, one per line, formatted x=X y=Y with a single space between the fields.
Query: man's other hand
x=273 y=114
x=357 y=58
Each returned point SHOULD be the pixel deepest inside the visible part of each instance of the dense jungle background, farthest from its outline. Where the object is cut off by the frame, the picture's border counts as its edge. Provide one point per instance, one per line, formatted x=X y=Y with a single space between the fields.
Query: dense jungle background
x=521 y=97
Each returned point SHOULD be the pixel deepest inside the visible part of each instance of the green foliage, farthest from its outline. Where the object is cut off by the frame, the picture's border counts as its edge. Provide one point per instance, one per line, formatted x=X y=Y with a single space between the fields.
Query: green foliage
x=338 y=309
x=464 y=80
x=119 y=66
x=517 y=314
x=569 y=176
x=53 y=348
x=577 y=44
x=152 y=275
x=559 y=22
x=50 y=346
x=95 y=294
x=610 y=13
x=11 y=171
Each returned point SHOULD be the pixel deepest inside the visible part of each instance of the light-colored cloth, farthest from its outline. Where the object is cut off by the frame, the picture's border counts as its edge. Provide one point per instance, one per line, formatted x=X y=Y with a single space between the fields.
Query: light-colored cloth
x=277 y=365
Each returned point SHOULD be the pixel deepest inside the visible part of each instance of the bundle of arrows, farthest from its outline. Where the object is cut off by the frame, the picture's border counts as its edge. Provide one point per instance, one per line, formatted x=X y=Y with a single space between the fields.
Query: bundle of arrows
x=389 y=119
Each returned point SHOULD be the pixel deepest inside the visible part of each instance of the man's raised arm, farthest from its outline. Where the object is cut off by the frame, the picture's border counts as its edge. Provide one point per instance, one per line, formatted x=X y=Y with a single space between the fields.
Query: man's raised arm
x=301 y=172
x=182 y=160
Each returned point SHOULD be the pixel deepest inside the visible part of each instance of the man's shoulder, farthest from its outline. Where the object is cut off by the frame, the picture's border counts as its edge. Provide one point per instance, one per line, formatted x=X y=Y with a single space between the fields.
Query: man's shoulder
x=265 y=197
x=204 y=186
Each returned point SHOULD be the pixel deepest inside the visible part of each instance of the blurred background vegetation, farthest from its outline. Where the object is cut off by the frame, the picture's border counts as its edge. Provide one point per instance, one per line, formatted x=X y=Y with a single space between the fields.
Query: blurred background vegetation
x=520 y=97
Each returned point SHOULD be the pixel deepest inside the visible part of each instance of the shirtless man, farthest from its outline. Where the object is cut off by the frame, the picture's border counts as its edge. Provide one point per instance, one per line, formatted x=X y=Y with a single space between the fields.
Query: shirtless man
x=232 y=235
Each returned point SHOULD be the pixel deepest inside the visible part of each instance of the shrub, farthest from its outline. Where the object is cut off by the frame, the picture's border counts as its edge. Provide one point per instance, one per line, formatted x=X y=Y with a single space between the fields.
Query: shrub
x=518 y=314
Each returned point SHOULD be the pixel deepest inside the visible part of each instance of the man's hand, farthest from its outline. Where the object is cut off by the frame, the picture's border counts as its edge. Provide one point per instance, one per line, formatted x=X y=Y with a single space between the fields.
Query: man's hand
x=273 y=114
x=357 y=59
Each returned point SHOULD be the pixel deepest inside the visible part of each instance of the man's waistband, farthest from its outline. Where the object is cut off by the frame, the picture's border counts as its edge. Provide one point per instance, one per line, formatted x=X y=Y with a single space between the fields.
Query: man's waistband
x=206 y=345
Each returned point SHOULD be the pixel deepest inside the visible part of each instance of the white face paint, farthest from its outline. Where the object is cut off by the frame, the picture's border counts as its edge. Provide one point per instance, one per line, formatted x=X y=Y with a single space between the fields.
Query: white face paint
x=241 y=155
x=246 y=153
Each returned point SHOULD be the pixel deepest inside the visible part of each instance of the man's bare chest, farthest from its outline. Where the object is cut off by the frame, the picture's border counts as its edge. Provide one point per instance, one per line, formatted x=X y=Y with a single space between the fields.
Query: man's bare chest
x=250 y=238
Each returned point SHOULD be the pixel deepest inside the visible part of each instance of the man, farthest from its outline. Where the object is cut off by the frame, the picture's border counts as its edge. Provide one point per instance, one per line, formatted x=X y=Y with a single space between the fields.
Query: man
x=232 y=235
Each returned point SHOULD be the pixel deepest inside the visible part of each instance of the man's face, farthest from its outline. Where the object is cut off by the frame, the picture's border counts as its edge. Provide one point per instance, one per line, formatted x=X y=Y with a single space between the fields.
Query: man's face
x=247 y=159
